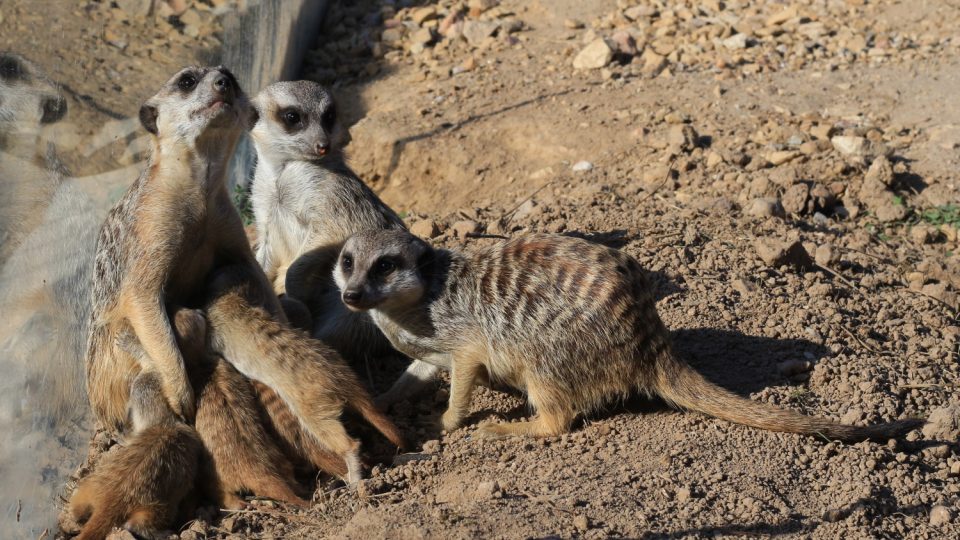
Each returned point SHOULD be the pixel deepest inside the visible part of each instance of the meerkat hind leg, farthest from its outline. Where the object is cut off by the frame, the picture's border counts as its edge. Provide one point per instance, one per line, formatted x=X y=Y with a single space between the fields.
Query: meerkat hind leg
x=331 y=434
x=553 y=417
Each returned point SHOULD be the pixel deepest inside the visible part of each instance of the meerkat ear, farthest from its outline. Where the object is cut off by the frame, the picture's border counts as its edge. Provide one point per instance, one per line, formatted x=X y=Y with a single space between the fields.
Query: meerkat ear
x=425 y=262
x=148 y=117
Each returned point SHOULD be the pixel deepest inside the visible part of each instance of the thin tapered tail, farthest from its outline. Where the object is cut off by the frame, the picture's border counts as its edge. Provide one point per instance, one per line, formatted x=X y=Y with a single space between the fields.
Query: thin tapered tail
x=680 y=385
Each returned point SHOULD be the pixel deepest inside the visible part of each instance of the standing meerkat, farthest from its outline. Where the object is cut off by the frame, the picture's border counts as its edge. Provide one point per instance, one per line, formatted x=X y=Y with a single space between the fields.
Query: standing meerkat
x=573 y=324
x=157 y=246
x=141 y=485
x=307 y=202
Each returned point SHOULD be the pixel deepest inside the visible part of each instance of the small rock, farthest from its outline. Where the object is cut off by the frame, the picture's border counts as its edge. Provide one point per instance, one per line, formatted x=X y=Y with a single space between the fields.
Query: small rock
x=777 y=253
x=479 y=6
x=790 y=368
x=860 y=149
x=582 y=166
x=594 y=56
x=653 y=63
x=782 y=16
x=765 y=207
x=624 y=43
x=431 y=447
x=425 y=229
x=891 y=211
x=940 y=515
x=880 y=171
x=121 y=534
x=713 y=159
x=462 y=229
x=424 y=14
x=684 y=137
x=781 y=157
x=736 y=41
x=826 y=255
x=743 y=286
x=834 y=515
x=487 y=490
x=581 y=523
x=573 y=24
x=795 y=199
x=922 y=234
x=475 y=32
x=682 y=495
x=637 y=12
x=943 y=424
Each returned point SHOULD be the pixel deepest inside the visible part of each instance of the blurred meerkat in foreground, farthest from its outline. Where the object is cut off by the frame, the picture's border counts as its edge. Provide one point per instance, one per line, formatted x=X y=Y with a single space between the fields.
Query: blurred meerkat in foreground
x=307 y=202
x=141 y=485
x=573 y=324
x=29 y=171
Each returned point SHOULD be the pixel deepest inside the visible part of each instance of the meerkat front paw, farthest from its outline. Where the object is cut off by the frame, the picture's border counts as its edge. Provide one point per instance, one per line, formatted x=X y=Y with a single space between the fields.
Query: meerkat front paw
x=181 y=400
x=451 y=420
x=488 y=429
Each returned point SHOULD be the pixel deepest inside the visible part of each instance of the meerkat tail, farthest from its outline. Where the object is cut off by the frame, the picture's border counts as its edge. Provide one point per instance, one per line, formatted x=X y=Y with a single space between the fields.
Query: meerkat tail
x=364 y=405
x=680 y=385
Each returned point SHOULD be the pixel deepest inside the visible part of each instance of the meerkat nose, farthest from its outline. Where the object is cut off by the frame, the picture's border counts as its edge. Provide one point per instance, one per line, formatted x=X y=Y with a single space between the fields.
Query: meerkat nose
x=222 y=83
x=322 y=148
x=352 y=297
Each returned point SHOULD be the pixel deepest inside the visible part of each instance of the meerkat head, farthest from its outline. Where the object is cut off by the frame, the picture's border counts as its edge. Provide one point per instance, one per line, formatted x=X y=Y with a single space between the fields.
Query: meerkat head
x=387 y=270
x=297 y=121
x=147 y=406
x=196 y=105
x=28 y=99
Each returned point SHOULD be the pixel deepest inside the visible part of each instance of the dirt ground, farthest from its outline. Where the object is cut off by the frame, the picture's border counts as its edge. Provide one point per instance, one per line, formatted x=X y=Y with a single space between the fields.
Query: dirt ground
x=787 y=172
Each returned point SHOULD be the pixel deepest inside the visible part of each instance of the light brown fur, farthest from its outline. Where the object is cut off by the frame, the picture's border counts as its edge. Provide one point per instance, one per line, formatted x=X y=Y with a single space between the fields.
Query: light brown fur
x=311 y=378
x=141 y=485
x=572 y=323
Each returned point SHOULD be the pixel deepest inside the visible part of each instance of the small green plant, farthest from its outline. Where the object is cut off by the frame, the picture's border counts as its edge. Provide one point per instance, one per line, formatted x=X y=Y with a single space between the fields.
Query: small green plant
x=241 y=200
x=948 y=214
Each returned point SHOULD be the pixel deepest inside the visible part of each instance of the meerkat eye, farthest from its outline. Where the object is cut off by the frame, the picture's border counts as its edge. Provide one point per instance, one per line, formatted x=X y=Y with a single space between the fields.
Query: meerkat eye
x=291 y=117
x=186 y=82
x=385 y=266
x=328 y=118
x=347 y=263
x=10 y=68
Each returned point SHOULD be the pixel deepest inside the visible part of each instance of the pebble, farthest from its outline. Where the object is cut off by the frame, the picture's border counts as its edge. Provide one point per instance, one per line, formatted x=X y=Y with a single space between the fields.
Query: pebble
x=795 y=199
x=463 y=229
x=765 y=207
x=943 y=424
x=594 y=56
x=573 y=24
x=487 y=490
x=425 y=229
x=940 y=515
x=582 y=166
x=475 y=32
x=736 y=41
x=781 y=157
x=790 y=368
x=826 y=255
x=778 y=253
x=581 y=523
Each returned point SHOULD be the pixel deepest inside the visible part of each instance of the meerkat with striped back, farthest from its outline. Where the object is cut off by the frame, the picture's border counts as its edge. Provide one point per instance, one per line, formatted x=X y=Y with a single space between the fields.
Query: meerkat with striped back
x=571 y=323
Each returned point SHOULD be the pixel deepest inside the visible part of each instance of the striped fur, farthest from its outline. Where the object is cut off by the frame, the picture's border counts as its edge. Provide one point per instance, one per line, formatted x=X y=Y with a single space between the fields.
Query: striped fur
x=573 y=324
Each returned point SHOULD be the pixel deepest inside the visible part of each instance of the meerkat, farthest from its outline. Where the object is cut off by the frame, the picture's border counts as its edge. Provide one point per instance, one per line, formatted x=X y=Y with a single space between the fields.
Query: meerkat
x=161 y=240
x=571 y=323
x=307 y=202
x=141 y=485
x=240 y=455
x=29 y=171
x=175 y=228
x=306 y=374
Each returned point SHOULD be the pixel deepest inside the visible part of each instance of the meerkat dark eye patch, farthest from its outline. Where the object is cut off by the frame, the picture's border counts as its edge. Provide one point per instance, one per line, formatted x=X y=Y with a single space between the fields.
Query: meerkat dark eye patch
x=148 y=117
x=385 y=266
x=346 y=263
x=11 y=69
x=292 y=119
x=53 y=109
x=187 y=82
x=329 y=117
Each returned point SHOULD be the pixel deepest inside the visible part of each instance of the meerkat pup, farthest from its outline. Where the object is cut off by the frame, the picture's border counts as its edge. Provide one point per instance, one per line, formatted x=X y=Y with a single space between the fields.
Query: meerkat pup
x=307 y=202
x=141 y=485
x=240 y=455
x=571 y=323
x=311 y=378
